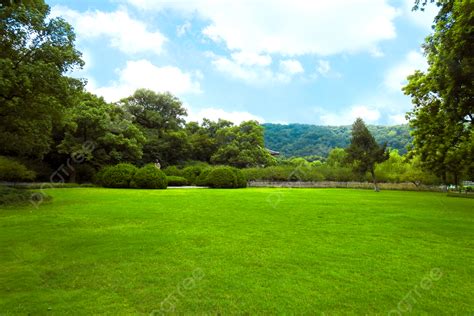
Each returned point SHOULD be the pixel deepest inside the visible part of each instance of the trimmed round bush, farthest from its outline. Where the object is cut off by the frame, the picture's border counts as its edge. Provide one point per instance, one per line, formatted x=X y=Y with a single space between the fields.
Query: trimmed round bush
x=176 y=181
x=118 y=176
x=201 y=180
x=12 y=170
x=150 y=177
x=191 y=173
x=222 y=177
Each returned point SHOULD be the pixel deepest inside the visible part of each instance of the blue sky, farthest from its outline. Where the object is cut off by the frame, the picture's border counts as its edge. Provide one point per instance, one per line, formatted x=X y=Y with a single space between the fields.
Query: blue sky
x=278 y=61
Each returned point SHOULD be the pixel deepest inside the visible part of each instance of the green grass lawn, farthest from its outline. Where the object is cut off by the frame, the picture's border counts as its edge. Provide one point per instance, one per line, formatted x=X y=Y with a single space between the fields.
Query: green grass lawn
x=240 y=251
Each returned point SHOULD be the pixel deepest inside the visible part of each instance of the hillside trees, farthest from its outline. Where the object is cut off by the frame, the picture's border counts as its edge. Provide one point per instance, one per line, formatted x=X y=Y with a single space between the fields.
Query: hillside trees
x=364 y=152
x=35 y=53
x=443 y=96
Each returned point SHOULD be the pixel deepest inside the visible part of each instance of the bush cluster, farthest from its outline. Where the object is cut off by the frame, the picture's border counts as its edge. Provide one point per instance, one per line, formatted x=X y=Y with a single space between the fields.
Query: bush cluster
x=14 y=171
x=226 y=177
x=118 y=176
x=125 y=175
x=176 y=181
x=149 y=177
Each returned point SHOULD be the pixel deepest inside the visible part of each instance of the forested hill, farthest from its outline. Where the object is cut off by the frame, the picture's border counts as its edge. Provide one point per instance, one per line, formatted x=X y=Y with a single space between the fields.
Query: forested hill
x=307 y=140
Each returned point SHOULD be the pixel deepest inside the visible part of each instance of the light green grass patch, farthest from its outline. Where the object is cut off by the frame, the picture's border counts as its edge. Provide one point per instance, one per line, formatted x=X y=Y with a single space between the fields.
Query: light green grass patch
x=260 y=251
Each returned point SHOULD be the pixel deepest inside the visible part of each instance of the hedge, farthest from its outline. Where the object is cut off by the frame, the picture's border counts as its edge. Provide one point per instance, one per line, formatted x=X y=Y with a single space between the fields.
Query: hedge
x=150 y=177
x=176 y=181
x=12 y=170
x=118 y=176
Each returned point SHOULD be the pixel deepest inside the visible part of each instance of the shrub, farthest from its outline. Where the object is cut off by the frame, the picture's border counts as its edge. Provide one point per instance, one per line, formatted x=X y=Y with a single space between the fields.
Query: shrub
x=201 y=180
x=176 y=181
x=150 y=177
x=191 y=173
x=12 y=196
x=241 y=180
x=222 y=177
x=118 y=176
x=12 y=170
x=173 y=171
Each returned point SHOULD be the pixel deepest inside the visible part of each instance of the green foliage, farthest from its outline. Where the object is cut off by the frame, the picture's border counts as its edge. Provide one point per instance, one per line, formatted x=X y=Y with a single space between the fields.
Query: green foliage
x=160 y=116
x=12 y=196
x=299 y=140
x=150 y=177
x=176 y=181
x=102 y=133
x=84 y=173
x=242 y=146
x=201 y=180
x=241 y=180
x=191 y=173
x=173 y=171
x=225 y=177
x=118 y=176
x=35 y=51
x=443 y=114
x=12 y=170
x=364 y=152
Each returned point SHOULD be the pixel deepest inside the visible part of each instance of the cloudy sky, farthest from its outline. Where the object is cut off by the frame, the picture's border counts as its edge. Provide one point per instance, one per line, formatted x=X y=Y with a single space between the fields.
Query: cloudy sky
x=280 y=61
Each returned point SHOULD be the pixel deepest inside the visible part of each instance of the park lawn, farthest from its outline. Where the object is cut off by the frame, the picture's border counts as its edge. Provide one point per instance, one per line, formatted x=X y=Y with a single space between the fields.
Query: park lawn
x=254 y=251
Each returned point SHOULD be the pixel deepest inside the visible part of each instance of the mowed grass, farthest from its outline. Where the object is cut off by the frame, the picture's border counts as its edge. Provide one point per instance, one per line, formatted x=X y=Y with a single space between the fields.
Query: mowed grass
x=251 y=251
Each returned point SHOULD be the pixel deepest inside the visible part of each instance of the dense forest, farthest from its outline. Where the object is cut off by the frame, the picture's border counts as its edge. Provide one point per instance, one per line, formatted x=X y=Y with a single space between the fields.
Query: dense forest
x=297 y=140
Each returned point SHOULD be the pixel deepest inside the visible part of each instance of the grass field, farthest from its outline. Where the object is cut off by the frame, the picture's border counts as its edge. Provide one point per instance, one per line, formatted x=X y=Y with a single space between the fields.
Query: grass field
x=240 y=251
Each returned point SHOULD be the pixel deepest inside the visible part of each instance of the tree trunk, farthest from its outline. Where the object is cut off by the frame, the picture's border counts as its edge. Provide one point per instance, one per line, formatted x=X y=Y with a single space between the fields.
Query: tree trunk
x=376 y=188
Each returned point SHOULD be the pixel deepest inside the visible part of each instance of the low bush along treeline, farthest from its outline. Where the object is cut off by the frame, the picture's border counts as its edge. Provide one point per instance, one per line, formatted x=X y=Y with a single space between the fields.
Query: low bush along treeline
x=396 y=169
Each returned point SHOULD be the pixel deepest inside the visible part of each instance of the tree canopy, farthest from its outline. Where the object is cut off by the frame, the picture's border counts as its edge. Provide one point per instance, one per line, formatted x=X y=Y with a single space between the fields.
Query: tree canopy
x=35 y=53
x=364 y=152
x=442 y=118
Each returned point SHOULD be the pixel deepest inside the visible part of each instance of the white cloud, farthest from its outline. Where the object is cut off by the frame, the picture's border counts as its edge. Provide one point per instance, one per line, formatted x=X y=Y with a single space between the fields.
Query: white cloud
x=291 y=66
x=396 y=77
x=123 y=32
x=143 y=74
x=290 y=27
x=346 y=117
x=255 y=71
x=251 y=59
x=323 y=67
x=214 y=114
x=397 y=119
x=182 y=29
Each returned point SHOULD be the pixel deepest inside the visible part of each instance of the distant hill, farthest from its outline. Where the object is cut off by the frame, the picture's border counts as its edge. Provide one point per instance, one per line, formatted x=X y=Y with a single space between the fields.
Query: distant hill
x=307 y=140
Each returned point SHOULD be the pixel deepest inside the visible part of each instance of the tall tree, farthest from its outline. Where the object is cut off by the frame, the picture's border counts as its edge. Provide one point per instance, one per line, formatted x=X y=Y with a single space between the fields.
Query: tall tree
x=443 y=96
x=160 y=116
x=364 y=152
x=35 y=53
x=108 y=130
x=242 y=146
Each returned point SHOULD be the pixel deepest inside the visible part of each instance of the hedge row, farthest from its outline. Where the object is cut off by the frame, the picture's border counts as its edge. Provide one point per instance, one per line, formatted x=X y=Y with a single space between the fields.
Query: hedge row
x=204 y=175
x=128 y=176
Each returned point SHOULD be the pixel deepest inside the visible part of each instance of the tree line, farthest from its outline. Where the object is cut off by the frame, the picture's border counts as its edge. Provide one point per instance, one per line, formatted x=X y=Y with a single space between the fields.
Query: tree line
x=47 y=116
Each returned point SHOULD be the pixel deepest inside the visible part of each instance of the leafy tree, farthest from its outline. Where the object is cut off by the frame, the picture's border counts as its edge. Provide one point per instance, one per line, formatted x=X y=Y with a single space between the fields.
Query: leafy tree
x=242 y=146
x=100 y=132
x=160 y=116
x=35 y=53
x=442 y=117
x=364 y=152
